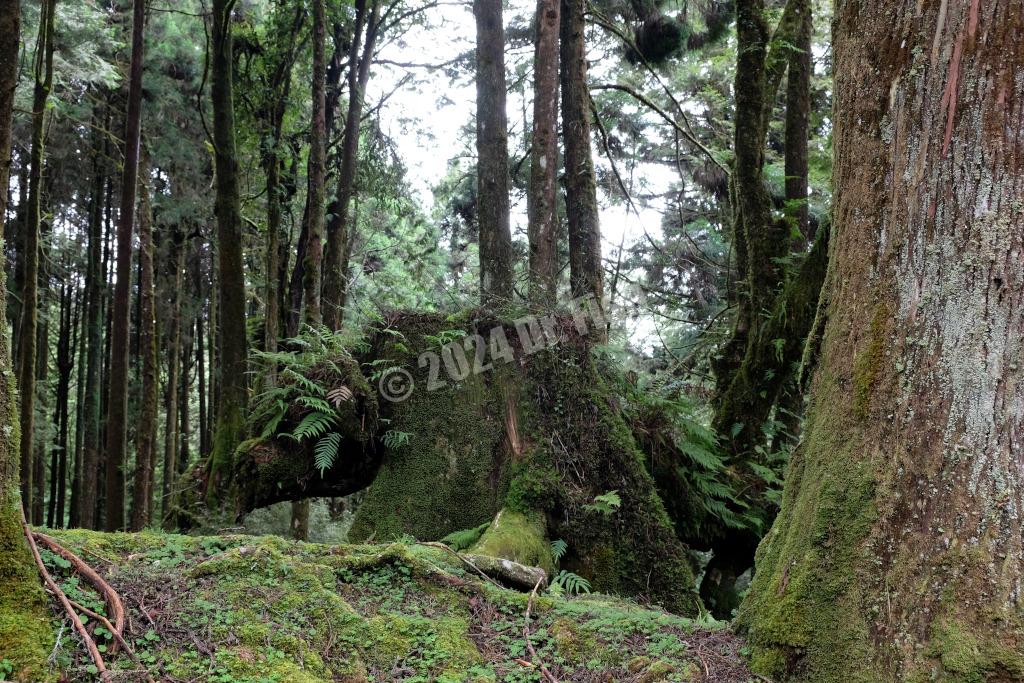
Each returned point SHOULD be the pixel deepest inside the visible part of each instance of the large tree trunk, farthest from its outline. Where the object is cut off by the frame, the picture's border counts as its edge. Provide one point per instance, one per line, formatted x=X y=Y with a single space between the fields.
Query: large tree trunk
x=43 y=80
x=543 y=219
x=232 y=387
x=586 y=272
x=898 y=551
x=25 y=628
x=117 y=408
x=492 y=201
x=145 y=442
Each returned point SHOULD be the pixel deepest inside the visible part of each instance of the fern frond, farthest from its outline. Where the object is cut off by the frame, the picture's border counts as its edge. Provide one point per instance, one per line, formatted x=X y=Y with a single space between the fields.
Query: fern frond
x=326 y=452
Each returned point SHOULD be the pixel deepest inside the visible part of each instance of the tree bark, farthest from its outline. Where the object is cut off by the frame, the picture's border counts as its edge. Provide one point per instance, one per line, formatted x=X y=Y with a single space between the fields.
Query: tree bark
x=898 y=551
x=313 y=257
x=145 y=440
x=43 y=81
x=94 y=278
x=117 y=408
x=797 y=127
x=232 y=355
x=65 y=366
x=492 y=202
x=338 y=238
x=586 y=272
x=21 y=601
x=543 y=215
x=173 y=366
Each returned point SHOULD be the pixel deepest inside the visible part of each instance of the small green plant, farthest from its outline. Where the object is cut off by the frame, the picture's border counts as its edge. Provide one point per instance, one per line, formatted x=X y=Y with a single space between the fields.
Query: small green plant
x=295 y=394
x=558 y=549
x=567 y=583
x=394 y=438
x=6 y=669
x=605 y=504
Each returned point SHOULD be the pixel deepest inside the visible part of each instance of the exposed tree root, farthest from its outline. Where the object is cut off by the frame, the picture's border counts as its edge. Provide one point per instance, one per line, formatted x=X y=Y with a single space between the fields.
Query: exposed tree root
x=110 y=596
x=117 y=636
x=90 y=644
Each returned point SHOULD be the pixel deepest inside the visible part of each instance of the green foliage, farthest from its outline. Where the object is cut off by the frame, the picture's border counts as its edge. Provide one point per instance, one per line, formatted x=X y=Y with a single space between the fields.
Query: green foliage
x=394 y=438
x=558 y=549
x=303 y=390
x=605 y=504
x=565 y=582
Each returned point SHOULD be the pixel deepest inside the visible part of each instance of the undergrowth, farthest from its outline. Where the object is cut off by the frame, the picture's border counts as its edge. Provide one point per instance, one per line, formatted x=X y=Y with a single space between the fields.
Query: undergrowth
x=240 y=609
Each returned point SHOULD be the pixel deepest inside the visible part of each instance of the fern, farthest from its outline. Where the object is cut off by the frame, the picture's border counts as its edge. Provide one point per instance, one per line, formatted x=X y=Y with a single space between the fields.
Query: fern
x=565 y=582
x=605 y=504
x=314 y=425
x=326 y=452
x=394 y=439
x=558 y=549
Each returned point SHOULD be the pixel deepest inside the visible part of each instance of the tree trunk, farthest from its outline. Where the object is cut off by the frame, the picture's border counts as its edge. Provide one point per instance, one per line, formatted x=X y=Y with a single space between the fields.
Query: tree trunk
x=75 y=512
x=117 y=408
x=492 y=156
x=173 y=365
x=797 y=127
x=25 y=630
x=94 y=278
x=43 y=80
x=317 y=162
x=145 y=440
x=233 y=389
x=898 y=551
x=586 y=272
x=543 y=214
x=42 y=376
x=338 y=238
x=65 y=366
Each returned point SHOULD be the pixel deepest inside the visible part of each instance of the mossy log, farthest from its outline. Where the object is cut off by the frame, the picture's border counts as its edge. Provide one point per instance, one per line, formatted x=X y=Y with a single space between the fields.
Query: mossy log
x=536 y=438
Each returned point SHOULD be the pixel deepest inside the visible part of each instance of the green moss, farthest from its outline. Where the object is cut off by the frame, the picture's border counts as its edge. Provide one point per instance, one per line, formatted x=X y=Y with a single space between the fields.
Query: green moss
x=26 y=637
x=870 y=360
x=967 y=657
x=518 y=537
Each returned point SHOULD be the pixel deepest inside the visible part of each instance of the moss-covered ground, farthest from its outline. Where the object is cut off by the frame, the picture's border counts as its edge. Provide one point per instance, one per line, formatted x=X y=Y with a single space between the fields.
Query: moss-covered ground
x=241 y=608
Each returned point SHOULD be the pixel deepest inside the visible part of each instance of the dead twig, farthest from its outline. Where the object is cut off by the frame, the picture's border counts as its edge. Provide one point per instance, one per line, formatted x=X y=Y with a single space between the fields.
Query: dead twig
x=90 y=644
x=548 y=676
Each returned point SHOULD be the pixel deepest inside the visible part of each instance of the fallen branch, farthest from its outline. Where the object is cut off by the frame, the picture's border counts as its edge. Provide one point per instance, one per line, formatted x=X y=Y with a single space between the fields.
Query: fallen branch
x=117 y=636
x=548 y=676
x=462 y=559
x=110 y=596
x=90 y=644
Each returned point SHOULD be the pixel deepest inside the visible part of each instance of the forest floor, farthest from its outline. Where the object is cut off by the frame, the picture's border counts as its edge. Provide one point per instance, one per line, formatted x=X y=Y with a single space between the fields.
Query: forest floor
x=229 y=609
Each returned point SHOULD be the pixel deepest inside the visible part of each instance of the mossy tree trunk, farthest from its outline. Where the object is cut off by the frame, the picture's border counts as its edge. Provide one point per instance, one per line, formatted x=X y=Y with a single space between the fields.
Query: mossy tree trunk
x=492 y=215
x=233 y=342
x=542 y=195
x=898 y=555
x=145 y=444
x=24 y=617
x=586 y=271
x=42 y=82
